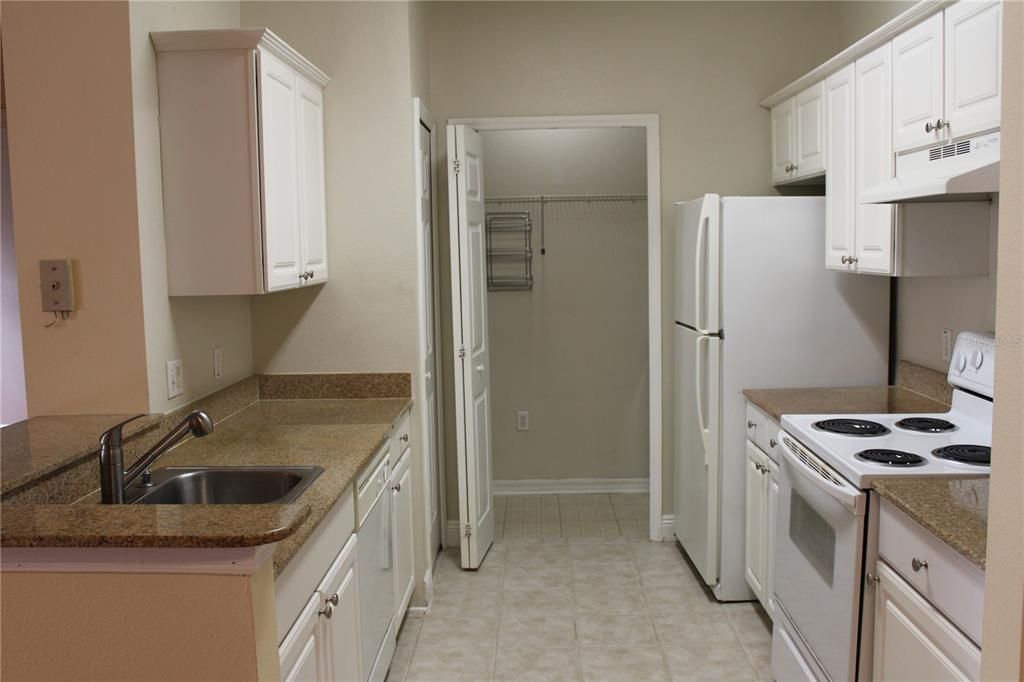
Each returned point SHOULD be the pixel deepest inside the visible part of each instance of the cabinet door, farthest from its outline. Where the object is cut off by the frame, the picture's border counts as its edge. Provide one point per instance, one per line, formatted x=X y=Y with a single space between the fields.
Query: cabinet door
x=339 y=595
x=973 y=42
x=840 y=186
x=755 y=520
x=301 y=653
x=875 y=160
x=913 y=641
x=279 y=161
x=783 y=142
x=917 y=85
x=809 y=108
x=403 y=535
x=772 y=508
x=313 y=199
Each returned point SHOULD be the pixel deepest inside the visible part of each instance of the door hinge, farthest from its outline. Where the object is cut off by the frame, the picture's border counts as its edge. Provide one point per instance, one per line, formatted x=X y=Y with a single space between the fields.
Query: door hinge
x=462 y=351
x=469 y=530
x=457 y=166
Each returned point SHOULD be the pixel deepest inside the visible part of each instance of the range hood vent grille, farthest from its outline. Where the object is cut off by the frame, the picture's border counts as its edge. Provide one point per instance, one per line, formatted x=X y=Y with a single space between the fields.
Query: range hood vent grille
x=939 y=153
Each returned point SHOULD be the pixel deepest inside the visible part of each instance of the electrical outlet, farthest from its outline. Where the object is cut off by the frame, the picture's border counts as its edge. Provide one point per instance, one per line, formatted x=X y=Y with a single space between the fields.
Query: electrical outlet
x=218 y=362
x=522 y=420
x=947 y=344
x=175 y=379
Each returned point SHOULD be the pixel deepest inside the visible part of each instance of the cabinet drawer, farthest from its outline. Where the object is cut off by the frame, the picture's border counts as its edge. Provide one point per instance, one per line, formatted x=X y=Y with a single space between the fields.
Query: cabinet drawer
x=762 y=431
x=950 y=582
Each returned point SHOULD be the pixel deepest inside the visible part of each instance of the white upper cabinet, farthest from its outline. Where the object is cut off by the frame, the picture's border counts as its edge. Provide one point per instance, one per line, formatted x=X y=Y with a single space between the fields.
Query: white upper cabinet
x=798 y=136
x=973 y=49
x=917 y=85
x=810 y=131
x=840 y=187
x=873 y=161
x=242 y=146
x=783 y=142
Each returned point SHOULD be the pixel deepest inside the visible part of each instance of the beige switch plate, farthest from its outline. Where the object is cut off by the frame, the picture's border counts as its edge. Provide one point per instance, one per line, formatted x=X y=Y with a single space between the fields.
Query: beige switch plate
x=57 y=284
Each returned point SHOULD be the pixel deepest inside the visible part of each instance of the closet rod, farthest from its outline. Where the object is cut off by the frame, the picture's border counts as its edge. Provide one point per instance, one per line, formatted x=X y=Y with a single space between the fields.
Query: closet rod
x=566 y=197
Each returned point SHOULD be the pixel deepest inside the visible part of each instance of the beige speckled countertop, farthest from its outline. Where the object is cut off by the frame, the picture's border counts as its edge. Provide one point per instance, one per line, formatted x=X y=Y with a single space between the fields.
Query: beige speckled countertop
x=954 y=510
x=338 y=435
x=849 y=400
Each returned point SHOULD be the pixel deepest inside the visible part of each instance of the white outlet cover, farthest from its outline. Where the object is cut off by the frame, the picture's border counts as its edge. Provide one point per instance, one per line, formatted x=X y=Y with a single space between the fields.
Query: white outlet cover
x=175 y=379
x=522 y=420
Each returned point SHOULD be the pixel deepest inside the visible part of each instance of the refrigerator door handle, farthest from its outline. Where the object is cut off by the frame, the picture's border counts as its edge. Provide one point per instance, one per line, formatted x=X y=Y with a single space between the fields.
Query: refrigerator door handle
x=699 y=271
x=698 y=389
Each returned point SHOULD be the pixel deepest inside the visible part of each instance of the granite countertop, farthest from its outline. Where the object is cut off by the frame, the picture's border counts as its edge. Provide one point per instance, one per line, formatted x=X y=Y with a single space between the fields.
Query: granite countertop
x=954 y=510
x=339 y=435
x=39 y=446
x=852 y=400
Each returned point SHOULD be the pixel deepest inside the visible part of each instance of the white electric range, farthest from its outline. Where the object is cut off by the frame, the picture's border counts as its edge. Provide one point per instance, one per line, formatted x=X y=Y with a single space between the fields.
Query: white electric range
x=826 y=532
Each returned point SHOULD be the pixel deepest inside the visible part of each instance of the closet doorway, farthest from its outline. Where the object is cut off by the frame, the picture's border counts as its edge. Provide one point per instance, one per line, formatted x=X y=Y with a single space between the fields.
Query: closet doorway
x=556 y=305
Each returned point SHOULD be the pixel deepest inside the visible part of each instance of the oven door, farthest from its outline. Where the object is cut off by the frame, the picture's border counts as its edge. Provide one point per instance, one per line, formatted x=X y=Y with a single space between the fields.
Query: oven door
x=819 y=557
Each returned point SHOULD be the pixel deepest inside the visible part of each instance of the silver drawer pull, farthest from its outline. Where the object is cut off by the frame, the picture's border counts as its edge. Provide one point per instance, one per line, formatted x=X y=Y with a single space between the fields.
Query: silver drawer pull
x=918 y=564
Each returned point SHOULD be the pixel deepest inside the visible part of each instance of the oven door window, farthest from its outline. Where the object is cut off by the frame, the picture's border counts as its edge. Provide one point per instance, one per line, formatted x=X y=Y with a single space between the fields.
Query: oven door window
x=813 y=536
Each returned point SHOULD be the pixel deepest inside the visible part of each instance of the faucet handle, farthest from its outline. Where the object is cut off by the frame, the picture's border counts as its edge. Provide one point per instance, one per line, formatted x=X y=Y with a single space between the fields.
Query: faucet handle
x=112 y=436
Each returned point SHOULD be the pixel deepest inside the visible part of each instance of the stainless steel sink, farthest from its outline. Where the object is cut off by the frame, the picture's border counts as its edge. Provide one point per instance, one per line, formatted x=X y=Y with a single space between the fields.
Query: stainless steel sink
x=224 y=485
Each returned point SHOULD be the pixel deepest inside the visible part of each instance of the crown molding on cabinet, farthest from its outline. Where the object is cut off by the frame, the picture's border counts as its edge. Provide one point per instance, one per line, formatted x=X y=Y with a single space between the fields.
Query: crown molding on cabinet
x=865 y=45
x=239 y=39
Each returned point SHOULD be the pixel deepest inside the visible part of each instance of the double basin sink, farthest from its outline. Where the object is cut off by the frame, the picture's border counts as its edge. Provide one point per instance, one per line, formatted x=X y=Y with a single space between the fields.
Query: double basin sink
x=224 y=485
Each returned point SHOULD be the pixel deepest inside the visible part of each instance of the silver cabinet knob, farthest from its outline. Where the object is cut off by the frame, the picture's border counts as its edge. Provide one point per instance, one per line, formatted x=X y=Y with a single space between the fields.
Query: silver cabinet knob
x=845 y=259
x=918 y=564
x=751 y=424
x=872 y=579
x=935 y=127
x=772 y=442
x=328 y=611
x=404 y=438
x=333 y=599
x=853 y=259
x=397 y=487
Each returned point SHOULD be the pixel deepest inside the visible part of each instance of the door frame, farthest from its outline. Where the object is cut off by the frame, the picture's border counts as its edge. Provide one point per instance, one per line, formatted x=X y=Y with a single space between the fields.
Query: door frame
x=650 y=123
x=423 y=118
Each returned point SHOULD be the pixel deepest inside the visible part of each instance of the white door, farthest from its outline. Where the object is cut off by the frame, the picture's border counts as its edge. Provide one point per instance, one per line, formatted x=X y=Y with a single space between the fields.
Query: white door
x=809 y=108
x=472 y=349
x=696 y=388
x=973 y=42
x=875 y=160
x=913 y=641
x=279 y=158
x=840 y=188
x=301 y=653
x=427 y=251
x=755 y=540
x=917 y=85
x=772 y=507
x=312 y=198
x=783 y=141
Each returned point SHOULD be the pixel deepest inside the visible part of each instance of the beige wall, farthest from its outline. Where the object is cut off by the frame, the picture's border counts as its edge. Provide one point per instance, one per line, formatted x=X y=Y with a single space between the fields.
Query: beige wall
x=702 y=67
x=572 y=350
x=364 y=318
x=1003 y=654
x=116 y=626
x=68 y=77
x=857 y=18
x=565 y=161
x=182 y=327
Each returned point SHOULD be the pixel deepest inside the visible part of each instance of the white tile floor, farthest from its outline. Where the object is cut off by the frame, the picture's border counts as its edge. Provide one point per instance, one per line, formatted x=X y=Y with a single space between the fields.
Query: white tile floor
x=583 y=604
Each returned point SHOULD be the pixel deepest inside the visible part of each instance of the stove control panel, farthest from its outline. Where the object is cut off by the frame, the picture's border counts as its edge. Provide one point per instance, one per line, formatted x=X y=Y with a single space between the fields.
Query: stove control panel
x=974 y=362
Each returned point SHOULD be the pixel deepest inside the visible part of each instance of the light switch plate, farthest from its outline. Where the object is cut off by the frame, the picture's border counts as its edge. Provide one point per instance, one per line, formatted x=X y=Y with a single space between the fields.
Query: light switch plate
x=57 y=286
x=175 y=379
x=522 y=420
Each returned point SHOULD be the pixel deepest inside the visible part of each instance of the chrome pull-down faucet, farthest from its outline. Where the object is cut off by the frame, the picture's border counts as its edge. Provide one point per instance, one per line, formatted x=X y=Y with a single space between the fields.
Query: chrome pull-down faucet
x=115 y=479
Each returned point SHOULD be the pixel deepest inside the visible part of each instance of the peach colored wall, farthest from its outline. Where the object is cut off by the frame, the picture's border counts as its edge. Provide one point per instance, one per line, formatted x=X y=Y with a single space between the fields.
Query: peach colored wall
x=105 y=626
x=1002 y=658
x=68 y=79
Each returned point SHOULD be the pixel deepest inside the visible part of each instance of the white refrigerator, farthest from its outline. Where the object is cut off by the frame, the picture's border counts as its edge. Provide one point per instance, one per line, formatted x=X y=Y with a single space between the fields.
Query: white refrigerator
x=754 y=307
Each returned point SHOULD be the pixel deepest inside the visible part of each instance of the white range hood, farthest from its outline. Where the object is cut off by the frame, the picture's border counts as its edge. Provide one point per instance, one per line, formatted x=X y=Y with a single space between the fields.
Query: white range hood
x=967 y=170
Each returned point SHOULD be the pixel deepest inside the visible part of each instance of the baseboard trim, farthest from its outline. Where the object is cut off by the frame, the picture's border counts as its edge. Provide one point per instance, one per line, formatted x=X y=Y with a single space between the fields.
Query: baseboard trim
x=549 y=486
x=452 y=534
x=668 y=528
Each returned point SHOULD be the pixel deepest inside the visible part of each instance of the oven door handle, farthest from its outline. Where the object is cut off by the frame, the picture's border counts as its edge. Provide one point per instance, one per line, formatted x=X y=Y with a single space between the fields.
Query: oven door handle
x=821 y=475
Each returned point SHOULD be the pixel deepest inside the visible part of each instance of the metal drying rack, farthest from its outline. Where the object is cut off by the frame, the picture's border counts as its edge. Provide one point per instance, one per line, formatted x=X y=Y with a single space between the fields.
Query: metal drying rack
x=509 y=251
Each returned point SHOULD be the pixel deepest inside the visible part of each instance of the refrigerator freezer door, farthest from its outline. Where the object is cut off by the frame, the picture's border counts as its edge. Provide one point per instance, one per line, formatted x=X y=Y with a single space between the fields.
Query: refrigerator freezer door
x=697 y=264
x=696 y=446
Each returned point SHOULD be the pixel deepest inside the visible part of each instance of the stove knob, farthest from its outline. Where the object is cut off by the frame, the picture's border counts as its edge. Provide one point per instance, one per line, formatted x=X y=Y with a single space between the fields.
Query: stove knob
x=977 y=359
x=960 y=362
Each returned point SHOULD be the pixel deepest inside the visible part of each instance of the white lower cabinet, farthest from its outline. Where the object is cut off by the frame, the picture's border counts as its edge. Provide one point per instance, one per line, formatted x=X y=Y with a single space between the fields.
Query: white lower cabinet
x=772 y=508
x=761 y=506
x=323 y=644
x=913 y=640
x=401 y=490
